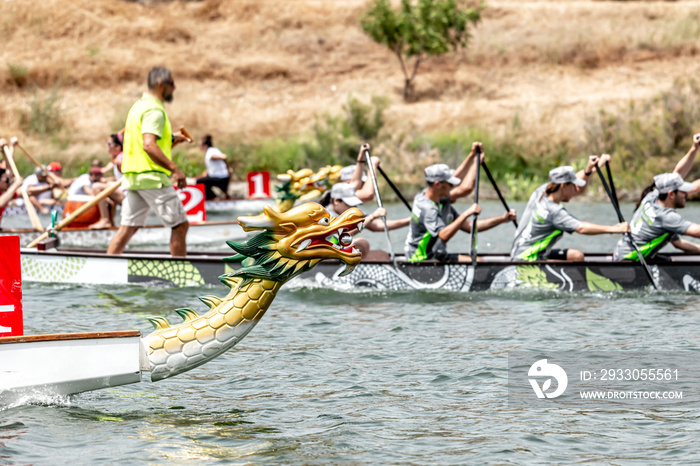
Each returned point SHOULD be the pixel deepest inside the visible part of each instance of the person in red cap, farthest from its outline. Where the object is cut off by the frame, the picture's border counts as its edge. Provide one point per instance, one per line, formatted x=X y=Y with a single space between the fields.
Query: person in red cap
x=61 y=191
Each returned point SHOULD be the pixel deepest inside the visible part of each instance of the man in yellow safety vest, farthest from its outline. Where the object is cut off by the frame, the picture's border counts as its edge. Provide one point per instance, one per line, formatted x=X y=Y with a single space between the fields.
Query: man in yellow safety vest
x=148 y=165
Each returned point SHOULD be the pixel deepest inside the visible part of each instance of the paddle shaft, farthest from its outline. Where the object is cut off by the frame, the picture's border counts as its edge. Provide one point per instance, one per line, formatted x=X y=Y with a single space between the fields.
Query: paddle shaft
x=31 y=211
x=612 y=184
x=396 y=190
x=476 y=201
x=80 y=211
x=498 y=191
x=368 y=160
x=46 y=172
x=620 y=218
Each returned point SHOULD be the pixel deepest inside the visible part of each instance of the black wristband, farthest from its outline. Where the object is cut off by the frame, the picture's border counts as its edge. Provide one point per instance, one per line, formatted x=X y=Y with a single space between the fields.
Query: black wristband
x=587 y=173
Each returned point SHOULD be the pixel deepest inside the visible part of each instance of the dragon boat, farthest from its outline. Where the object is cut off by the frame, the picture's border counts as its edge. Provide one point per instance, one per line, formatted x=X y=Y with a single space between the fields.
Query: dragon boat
x=227 y=205
x=198 y=233
x=288 y=245
x=493 y=272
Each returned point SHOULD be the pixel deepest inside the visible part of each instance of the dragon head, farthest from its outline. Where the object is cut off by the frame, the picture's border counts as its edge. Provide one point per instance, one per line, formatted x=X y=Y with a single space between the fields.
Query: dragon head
x=295 y=241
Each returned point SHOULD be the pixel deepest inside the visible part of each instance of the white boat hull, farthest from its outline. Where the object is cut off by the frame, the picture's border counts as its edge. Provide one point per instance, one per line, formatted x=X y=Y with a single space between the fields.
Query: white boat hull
x=64 y=364
x=198 y=234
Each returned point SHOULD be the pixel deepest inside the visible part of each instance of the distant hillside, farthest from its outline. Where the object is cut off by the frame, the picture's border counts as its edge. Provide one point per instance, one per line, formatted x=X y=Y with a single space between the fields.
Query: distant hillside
x=261 y=69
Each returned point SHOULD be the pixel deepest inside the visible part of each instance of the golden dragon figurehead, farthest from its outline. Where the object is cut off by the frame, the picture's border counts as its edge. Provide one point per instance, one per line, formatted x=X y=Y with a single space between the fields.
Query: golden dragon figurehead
x=295 y=241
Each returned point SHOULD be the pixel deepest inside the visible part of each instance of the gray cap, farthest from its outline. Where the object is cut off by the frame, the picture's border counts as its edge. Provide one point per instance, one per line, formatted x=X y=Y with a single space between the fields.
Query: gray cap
x=347 y=172
x=441 y=172
x=38 y=171
x=563 y=175
x=345 y=193
x=667 y=182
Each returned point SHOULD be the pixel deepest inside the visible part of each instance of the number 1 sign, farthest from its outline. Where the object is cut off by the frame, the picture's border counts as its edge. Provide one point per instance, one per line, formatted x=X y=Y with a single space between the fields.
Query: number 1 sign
x=258 y=185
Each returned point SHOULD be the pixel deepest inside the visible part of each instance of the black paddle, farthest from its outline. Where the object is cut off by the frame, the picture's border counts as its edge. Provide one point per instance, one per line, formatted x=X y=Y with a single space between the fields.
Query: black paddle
x=628 y=236
x=396 y=190
x=498 y=191
x=476 y=201
x=612 y=185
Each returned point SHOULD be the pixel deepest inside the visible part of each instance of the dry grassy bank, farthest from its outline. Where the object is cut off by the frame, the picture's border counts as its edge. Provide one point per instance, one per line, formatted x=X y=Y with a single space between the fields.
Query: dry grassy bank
x=262 y=69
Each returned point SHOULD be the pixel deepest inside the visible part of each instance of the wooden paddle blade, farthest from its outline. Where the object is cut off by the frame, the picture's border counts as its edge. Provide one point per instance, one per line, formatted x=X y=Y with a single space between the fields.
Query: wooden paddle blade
x=186 y=134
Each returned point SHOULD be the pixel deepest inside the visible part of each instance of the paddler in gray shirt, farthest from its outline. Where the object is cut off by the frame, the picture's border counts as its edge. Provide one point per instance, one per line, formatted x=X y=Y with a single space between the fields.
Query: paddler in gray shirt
x=655 y=223
x=434 y=221
x=545 y=220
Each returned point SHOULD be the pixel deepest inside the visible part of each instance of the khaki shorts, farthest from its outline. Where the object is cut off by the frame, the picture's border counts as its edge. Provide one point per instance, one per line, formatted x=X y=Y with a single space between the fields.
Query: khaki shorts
x=163 y=201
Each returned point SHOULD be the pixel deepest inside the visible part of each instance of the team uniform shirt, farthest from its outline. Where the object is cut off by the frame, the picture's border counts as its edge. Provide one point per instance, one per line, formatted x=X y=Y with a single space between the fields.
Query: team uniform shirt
x=76 y=187
x=653 y=226
x=427 y=220
x=542 y=225
x=216 y=168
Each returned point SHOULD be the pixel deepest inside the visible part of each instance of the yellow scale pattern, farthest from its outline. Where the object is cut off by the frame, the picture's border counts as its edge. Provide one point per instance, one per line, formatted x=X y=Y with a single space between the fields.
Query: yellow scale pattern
x=62 y=271
x=180 y=273
x=174 y=350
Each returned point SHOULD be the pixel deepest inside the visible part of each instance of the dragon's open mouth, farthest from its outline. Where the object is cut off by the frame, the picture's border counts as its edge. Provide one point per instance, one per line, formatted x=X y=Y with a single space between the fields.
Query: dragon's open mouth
x=334 y=240
x=305 y=235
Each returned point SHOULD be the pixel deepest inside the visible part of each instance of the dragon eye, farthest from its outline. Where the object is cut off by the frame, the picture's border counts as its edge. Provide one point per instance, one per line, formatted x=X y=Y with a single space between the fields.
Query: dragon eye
x=324 y=221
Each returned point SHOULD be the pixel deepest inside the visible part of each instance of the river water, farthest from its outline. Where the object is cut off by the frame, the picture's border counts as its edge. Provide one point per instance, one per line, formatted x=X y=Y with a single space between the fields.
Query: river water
x=364 y=377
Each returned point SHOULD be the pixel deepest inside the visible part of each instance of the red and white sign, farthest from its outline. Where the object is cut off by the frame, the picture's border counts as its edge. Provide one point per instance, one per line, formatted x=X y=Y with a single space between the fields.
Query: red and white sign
x=192 y=198
x=10 y=287
x=258 y=185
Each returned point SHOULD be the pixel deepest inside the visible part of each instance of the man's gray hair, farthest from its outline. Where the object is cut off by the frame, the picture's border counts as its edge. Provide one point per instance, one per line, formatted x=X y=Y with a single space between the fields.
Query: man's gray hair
x=158 y=74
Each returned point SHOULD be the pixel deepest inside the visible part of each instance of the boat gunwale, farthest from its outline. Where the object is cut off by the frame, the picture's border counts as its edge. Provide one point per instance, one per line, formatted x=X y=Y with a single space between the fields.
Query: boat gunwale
x=215 y=256
x=70 y=336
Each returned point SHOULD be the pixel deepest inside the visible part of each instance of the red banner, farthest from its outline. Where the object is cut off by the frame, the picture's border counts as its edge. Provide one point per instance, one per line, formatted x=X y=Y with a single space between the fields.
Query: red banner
x=258 y=185
x=10 y=287
x=192 y=197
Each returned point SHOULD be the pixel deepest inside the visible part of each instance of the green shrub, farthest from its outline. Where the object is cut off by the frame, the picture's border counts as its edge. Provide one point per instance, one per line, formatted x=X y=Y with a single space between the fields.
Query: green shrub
x=18 y=74
x=647 y=138
x=44 y=116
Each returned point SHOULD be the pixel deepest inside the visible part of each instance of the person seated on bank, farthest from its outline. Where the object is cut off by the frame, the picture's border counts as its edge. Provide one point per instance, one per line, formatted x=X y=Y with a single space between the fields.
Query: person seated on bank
x=434 y=221
x=8 y=188
x=343 y=197
x=545 y=220
x=655 y=223
x=216 y=176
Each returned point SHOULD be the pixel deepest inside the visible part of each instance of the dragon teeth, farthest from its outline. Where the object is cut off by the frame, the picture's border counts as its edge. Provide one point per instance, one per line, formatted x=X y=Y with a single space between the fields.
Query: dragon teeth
x=303 y=245
x=360 y=226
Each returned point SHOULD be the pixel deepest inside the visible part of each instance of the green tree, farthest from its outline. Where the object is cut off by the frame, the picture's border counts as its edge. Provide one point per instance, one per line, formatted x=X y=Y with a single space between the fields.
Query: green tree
x=419 y=29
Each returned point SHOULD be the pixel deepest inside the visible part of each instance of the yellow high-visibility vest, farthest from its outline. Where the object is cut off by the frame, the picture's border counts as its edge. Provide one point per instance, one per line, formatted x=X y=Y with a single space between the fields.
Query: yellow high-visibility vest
x=136 y=160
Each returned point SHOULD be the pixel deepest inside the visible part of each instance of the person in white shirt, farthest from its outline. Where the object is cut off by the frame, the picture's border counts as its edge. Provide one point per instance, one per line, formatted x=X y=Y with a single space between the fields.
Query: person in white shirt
x=217 y=175
x=40 y=191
